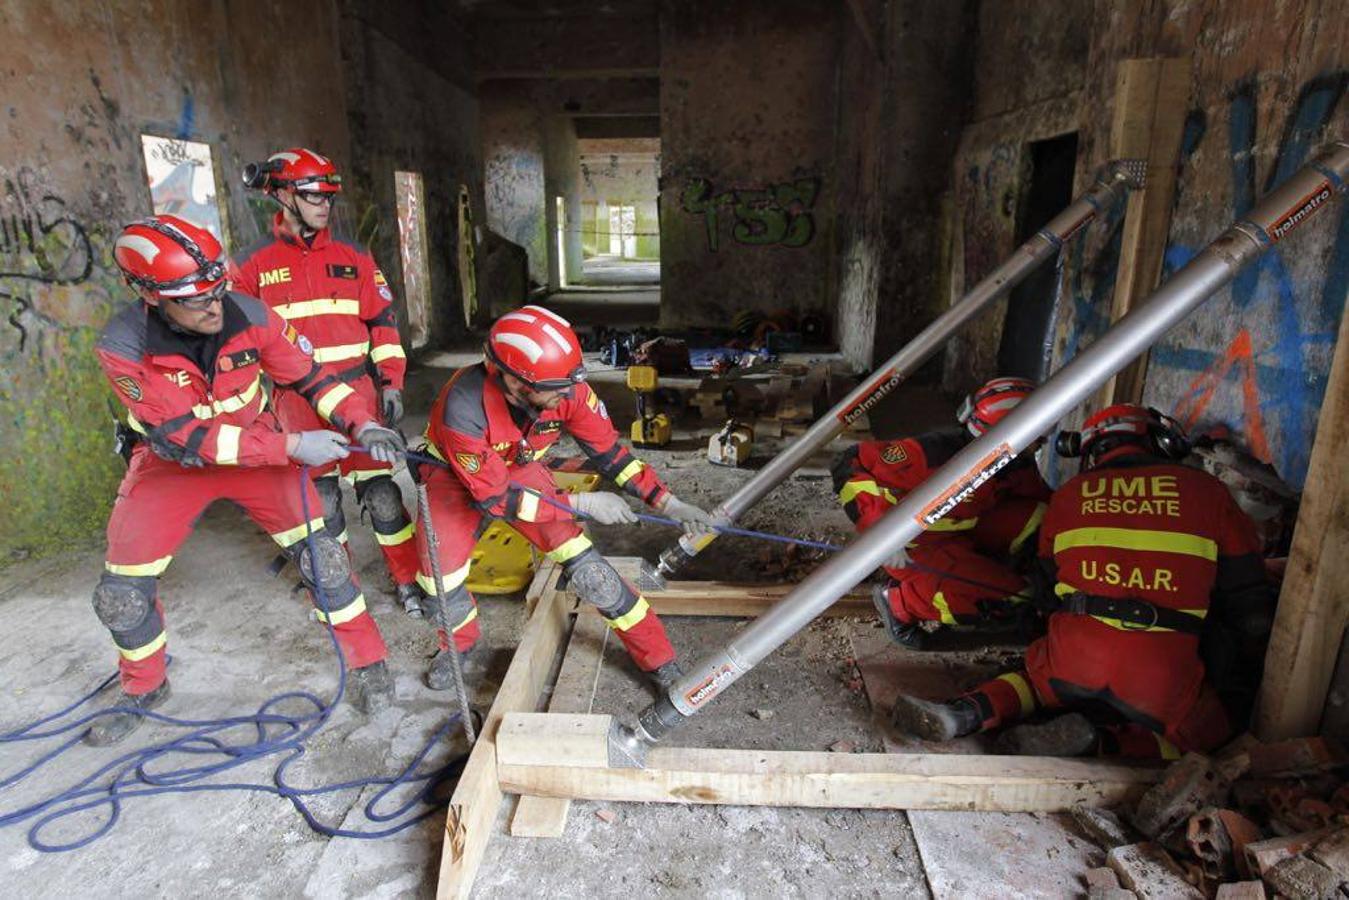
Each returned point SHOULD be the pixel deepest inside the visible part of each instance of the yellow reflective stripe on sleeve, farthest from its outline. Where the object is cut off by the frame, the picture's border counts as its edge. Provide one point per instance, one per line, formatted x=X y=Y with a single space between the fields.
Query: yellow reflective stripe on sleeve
x=468 y=618
x=387 y=351
x=529 y=506
x=1023 y=691
x=398 y=537
x=631 y=617
x=1031 y=525
x=432 y=449
x=134 y=423
x=630 y=471
x=950 y=524
x=341 y=352
x=570 y=548
x=1167 y=749
x=342 y=538
x=448 y=580
x=943 y=608
x=140 y=569
x=298 y=533
x=1137 y=539
x=331 y=397
x=145 y=650
x=326 y=306
x=345 y=614
x=848 y=493
x=227 y=445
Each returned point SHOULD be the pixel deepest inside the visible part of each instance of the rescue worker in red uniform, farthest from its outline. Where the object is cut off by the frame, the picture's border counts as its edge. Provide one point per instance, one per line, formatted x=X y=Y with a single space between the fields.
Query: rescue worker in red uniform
x=960 y=571
x=492 y=423
x=187 y=361
x=1152 y=571
x=332 y=292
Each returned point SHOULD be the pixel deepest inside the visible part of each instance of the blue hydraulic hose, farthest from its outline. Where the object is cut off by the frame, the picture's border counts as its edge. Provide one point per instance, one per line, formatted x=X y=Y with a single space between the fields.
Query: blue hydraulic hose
x=136 y=773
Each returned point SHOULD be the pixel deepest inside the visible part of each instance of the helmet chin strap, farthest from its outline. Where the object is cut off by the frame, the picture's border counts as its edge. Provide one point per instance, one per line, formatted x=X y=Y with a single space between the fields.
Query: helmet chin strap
x=306 y=230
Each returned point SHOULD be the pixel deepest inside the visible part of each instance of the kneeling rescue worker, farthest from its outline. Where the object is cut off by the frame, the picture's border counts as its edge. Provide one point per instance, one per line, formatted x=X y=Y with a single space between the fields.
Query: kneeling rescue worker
x=491 y=423
x=961 y=570
x=333 y=294
x=1151 y=572
x=187 y=361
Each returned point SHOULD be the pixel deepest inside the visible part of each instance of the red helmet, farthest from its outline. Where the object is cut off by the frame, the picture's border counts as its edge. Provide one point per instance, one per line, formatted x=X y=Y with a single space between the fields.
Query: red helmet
x=1137 y=425
x=298 y=168
x=538 y=347
x=170 y=256
x=986 y=407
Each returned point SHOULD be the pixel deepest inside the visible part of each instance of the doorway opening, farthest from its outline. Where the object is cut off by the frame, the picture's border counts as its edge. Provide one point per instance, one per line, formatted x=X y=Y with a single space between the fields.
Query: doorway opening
x=620 y=231
x=1027 y=339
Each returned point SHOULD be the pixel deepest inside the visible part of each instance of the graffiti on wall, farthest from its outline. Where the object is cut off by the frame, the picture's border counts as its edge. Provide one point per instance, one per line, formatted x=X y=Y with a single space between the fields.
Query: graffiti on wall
x=779 y=214
x=40 y=239
x=1269 y=380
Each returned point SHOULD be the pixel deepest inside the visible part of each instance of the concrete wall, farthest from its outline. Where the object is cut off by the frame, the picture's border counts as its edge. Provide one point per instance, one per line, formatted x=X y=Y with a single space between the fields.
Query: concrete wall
x=411 y=107
x=747 y=144
x=81 y=82
x=1268 y=86
x=511 y=127
x=562 y=179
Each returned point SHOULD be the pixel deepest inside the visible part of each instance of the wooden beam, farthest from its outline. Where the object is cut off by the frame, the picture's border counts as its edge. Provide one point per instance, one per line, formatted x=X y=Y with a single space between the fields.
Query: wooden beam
x=566 y=756
x=1309 y=625
x=477 y=798
x=574 y=692
x=730 y=599
x=1152 y=97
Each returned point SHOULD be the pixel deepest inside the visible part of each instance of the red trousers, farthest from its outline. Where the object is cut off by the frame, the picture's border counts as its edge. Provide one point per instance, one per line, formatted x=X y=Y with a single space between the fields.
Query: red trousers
x=159 y=503
x=395 y=532
x=458 y=525
x=959 y=577
x=1153 y=679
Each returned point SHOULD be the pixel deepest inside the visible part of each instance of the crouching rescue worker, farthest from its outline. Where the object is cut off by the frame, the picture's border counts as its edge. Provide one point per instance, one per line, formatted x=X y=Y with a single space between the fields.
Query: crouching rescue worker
x=1153 y=571
x=187 y=361
x=492 y=423
x=332 y=292
x=961 y=570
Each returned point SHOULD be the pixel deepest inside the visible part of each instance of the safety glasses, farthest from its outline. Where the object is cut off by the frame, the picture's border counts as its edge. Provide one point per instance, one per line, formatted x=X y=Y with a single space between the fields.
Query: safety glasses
x=317 y=198
x=201 y=302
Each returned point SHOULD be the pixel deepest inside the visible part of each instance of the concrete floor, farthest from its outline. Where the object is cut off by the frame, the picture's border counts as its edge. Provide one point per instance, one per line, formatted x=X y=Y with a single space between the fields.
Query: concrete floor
x=238 y=636
x=613 y=271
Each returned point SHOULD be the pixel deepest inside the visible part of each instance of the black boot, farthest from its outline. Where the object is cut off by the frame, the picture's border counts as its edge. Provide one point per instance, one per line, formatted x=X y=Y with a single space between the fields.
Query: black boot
x=412 y=598
x=1067 y=735
x=370 y=688
x=929 y=721
x=665 y=676
x=440 y=674
x=906 y=634
x=114 y=727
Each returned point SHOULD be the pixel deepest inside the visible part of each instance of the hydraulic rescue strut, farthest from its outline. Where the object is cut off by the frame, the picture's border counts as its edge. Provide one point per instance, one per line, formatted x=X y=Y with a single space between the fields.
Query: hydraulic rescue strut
x=1285 y=208
x=1114 y=183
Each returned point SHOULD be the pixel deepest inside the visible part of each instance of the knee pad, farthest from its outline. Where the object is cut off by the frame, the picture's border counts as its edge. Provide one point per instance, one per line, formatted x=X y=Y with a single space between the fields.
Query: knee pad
x=382 y=499
x=330 y=492
x=122 y=602
x=327 y=565
x=597 y=582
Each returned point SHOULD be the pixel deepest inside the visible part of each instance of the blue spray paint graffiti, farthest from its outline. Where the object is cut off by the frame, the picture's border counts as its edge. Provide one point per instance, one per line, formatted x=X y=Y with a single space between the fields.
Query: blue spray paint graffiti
x=187 y=118
x=1290 y=393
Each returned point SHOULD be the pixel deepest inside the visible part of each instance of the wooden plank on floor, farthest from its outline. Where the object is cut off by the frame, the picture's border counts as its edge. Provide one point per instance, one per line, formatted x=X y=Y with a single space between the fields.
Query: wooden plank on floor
x=1309 y=625
x=560 y=755
x=477 y=798
x=731 y=599
x=574 y=692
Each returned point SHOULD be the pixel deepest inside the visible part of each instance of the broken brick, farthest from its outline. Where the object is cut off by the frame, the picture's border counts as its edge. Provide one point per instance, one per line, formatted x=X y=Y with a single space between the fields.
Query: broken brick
x=1241 y=890
x=843 y=746
x=1189 y=785
x=1264 y=855
x=1332 y=851
x=1241 y=831
x=1299 y=756
x=1208 y=840
x=1149 y=871
x=1102 y=826
x=1102 y=877
x=1300 y=878
x=607 y=816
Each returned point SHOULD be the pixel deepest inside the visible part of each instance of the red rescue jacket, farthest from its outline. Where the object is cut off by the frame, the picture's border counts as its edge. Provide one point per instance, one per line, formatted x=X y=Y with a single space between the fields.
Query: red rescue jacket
x=219 y=416
x=482 y=436
x=334 y=295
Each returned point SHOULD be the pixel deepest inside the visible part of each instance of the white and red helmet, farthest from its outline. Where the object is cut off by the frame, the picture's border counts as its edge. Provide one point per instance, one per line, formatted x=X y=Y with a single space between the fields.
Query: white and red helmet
x=1128 y=423
x=298 y=168
x=987 y=406
x=538 y=347
x=170 y=257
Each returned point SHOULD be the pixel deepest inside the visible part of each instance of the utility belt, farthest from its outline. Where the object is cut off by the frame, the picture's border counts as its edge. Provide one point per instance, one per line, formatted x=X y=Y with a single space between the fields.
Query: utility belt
x=1131 y=614
x=354 y=373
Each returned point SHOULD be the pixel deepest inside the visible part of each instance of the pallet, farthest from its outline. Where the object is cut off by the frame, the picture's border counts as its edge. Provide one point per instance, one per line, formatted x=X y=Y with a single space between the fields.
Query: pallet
x=554 y=757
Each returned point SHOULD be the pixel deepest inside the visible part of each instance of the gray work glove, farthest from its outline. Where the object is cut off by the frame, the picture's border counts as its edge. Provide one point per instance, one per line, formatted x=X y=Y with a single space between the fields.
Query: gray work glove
x=383 y=444
x=318 y=448
x=696 y=522
x=603 y=507
x=897 y=560
x=392 y=405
